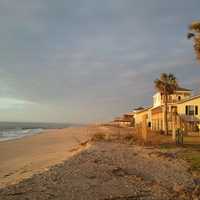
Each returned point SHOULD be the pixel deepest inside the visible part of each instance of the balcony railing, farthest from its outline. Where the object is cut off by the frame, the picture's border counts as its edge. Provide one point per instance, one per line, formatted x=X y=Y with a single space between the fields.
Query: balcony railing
x=170 y=101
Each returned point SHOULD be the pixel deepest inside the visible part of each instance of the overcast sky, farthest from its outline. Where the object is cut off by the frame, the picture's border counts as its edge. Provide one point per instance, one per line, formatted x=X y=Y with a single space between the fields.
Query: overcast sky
x=90 y=60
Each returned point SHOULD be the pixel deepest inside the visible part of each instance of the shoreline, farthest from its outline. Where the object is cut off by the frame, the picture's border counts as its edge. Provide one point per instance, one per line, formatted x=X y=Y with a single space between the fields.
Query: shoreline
x=44 y=131
x=23 y=136
x=39 y=131
x=23 y=157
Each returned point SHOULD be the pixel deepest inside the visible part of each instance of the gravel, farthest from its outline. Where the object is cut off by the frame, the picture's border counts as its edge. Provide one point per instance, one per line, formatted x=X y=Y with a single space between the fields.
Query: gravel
x=109 y=171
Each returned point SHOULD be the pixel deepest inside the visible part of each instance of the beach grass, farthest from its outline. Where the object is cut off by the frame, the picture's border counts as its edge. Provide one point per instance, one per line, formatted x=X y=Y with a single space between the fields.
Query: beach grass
x=189 y=151
x=193 y=158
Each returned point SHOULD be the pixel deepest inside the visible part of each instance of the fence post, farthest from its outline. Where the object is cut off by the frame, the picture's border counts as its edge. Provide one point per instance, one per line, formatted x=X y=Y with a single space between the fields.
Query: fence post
x=174 y=124
x=144 y=129
x=179 y=137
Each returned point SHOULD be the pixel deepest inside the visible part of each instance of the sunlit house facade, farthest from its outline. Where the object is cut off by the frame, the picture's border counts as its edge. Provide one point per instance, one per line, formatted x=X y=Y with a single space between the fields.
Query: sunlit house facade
x=180 y=103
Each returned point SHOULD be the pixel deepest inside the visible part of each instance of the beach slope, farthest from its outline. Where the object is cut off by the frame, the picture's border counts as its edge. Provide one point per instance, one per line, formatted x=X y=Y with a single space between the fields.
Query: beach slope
x=21 y=158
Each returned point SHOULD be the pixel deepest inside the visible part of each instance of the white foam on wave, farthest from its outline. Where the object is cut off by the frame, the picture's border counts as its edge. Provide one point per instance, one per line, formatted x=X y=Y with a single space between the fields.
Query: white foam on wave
x=18 y=133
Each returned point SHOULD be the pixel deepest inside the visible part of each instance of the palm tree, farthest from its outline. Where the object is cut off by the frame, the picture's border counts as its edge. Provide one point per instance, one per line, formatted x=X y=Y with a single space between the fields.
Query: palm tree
x=194 y=32
x=166 y=85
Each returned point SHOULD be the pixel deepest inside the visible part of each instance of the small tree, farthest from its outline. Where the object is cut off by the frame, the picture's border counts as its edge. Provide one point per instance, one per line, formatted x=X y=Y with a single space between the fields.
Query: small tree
x=166 y=85
x=194 y=33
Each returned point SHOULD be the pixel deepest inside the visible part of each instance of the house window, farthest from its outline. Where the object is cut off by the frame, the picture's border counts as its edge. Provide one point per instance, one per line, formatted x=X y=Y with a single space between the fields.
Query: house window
x=196 y=110
x=191 y=110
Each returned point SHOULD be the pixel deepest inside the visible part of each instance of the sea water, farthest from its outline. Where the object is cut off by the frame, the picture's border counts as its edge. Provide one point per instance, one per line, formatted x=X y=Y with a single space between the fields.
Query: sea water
x=15 y=130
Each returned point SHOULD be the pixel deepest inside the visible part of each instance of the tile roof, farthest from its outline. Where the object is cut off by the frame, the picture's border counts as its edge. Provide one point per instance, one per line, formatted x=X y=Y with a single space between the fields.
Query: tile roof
x=145 y=109
x=182 y=89
x=139 y=108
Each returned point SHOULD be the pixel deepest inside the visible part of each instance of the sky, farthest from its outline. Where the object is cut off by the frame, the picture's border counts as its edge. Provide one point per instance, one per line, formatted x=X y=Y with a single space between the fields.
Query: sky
x=87 y=61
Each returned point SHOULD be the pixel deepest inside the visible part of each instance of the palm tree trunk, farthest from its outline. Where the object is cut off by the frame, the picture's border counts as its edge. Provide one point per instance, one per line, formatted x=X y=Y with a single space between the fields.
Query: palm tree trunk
x=166 y=114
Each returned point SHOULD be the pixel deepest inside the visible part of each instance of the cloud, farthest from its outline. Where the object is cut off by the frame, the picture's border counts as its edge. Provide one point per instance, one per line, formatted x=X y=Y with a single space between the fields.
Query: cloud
x=91 y=60
x=12 y=104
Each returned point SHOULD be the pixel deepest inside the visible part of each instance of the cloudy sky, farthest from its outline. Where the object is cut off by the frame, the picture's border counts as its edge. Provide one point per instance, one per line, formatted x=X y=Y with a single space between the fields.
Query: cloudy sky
x=90 y=60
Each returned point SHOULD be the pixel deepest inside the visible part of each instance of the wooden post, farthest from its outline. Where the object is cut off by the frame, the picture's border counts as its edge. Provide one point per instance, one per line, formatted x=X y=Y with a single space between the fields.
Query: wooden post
x=173 y=131
x=174 y=124
x=144 y=128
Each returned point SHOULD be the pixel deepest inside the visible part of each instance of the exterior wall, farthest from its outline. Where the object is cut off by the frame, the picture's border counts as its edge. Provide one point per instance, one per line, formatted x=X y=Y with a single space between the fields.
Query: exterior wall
x=192 y=102
x=149 y=118
x=178 y=96
x=140 y=116
x=157 y=119
x=157 y=99
x=190 y=121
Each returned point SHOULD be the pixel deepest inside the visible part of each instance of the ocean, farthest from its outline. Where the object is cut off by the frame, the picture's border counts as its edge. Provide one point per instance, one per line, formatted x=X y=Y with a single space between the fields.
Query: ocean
x=15 y=130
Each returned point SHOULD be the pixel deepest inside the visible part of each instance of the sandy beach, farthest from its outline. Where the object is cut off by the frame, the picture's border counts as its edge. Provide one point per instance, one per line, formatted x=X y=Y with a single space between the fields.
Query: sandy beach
x=23 y=157
x=68 y=164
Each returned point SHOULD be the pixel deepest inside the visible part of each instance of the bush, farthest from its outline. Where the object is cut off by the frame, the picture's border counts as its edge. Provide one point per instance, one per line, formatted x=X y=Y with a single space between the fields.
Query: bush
x=98 y=137
x=161 y=132
x=124 y=136
x=127 y=136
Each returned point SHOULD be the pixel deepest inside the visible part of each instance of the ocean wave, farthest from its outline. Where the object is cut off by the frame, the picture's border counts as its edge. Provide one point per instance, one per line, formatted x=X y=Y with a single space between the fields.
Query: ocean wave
x=18 y=133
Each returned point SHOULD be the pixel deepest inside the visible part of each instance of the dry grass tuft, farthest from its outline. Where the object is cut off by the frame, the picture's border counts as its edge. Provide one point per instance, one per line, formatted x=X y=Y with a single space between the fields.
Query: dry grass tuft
x=98 y=137
x=116 y=136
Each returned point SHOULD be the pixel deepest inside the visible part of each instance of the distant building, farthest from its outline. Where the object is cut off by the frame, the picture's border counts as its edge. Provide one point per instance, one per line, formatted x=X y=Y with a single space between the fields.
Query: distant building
x=138 y=109
x=126 y=120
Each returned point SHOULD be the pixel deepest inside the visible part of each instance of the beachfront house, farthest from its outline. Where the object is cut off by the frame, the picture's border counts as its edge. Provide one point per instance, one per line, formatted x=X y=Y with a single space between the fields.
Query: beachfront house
x=157 y=111
x=126 y=120
x=189 y=112
x=142 y=114
x=180 y=103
